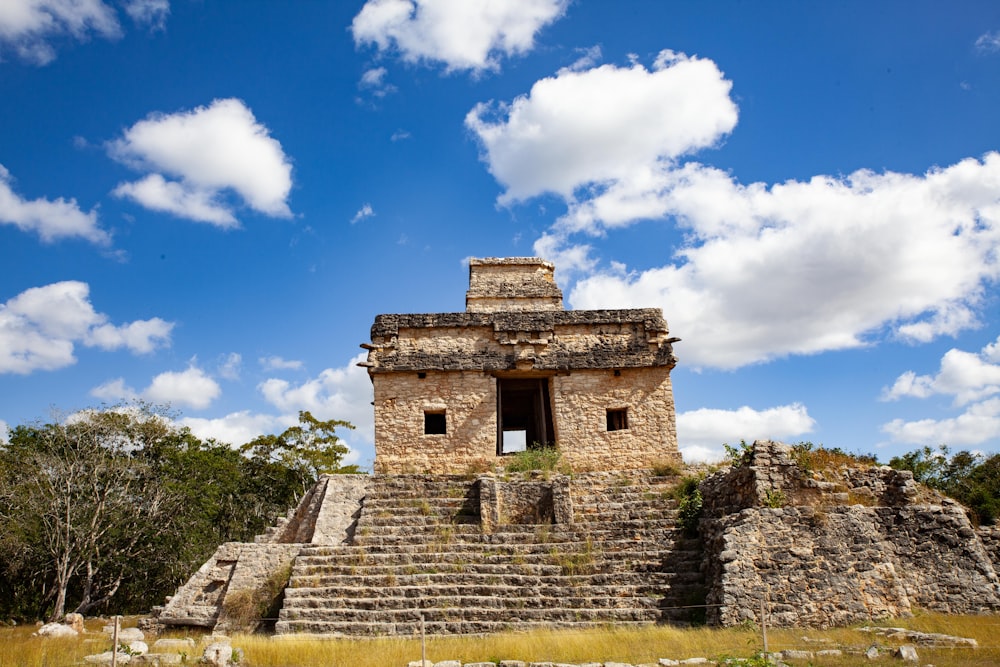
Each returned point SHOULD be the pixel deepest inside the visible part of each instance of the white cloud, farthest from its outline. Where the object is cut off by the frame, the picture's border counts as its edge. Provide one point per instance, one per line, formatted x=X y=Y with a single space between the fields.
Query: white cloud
x=461 y=34
x=229 y=366
x=973 y=379
x=806 y=267
x=604 y=126
x=152 y=13
x=980 y=422
x=114 y=390
x=373 y=81
x=213 y=151
x=156 y=193
x=365 y=211
x=26 y=26
x=192 y=388
x=763 y=271
x=40 y=327
x=51 y=220
x=701 y=433
x=968 y=376
x=988 y=42
x=399 y=135
x=337 y=393
x=279 y=364
x=237 y=428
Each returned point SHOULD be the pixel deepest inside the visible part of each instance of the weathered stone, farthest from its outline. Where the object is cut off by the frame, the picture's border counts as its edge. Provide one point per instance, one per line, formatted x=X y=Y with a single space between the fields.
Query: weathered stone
x=74 y=621
x=56 y=630
x=872 y=653
x=158 y=659
x=448 y=663
x=907 y=653
x=106 y=657
x=218 y=654
x=137 y=647
x=167 y=645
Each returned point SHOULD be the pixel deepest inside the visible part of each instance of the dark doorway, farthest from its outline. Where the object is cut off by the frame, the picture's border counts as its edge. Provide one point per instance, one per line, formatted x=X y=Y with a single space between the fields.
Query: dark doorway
x=525 y=415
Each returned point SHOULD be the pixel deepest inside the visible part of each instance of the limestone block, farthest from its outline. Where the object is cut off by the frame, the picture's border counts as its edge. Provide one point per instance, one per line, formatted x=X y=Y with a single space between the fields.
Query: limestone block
x=907 y=653
x=74 y=621
x=173 y=645
x=56 y=630
x=105 y=658
x=218 y=654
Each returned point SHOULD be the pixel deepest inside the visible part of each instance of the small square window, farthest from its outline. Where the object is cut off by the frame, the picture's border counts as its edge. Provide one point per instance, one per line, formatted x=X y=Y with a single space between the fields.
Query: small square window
x=617 y=419
x=435 y=423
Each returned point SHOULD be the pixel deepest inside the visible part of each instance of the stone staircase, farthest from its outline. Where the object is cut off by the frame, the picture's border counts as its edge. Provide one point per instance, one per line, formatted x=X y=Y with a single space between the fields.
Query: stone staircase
x=421 y=549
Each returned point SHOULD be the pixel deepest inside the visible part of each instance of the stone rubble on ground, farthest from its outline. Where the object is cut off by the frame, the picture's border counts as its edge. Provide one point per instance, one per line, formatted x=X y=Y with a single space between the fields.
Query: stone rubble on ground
x=935 y=639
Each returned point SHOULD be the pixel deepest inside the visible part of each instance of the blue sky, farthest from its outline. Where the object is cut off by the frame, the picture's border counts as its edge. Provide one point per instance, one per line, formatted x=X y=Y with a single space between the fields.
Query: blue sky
x=207 y=203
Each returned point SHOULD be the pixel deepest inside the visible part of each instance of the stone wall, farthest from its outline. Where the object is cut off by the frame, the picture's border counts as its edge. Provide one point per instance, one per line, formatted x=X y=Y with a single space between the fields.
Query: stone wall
x=581 y=401
x=469 y=402
x=835 y=547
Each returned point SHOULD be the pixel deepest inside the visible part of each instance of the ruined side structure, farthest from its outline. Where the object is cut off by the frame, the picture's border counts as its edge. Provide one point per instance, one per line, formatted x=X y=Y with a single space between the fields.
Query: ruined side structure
x=458 y=391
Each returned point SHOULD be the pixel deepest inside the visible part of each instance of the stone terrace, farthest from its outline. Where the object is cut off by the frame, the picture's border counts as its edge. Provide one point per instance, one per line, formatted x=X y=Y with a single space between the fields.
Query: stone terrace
x=422 y=546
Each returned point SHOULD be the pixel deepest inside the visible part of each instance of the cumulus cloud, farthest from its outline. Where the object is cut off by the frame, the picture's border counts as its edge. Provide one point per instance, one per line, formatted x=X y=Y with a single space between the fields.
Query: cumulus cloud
x=51 y=220
x=967 y=376
x=40 y=327
x=764 y=270
x=209 y=154
x=237 y=428
x=189 y=388
x=336 y=393
x=806 y=267
x=972 y=379
x=603 y=126
x=365 y=211
x=701 y=433
x=467 y=35
x=28 y=26
x=977 y=424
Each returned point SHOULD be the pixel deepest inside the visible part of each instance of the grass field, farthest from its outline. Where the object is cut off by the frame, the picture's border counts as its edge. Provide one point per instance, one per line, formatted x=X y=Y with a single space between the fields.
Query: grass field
x=630 y=645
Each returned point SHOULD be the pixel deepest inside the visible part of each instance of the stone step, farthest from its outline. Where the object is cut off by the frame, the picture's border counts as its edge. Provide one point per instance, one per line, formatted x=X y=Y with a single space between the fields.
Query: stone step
x=485 y=598
x=458 y=551
x=443 y=583
x=436 y=614
x=403 y=629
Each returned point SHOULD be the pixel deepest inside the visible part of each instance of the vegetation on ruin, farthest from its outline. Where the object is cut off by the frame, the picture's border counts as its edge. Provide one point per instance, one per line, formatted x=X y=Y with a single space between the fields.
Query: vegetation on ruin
x=108 y=511
x=971 y=479
x=621 y=644
x=545 y=459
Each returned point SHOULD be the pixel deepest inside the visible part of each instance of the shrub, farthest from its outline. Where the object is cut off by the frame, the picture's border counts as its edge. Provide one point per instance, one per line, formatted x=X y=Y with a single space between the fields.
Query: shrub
x=539 y=458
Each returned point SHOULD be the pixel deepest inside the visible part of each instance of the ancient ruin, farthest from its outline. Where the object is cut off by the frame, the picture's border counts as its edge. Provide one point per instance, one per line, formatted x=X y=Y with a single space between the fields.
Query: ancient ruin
x=619 y=532
x=459 y=391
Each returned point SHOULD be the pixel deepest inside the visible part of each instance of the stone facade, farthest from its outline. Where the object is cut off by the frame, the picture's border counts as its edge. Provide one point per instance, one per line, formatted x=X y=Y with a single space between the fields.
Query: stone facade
x=458 y=391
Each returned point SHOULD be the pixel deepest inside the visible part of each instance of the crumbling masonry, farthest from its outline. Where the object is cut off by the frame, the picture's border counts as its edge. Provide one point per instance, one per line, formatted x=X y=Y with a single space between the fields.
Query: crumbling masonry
x=438 y=534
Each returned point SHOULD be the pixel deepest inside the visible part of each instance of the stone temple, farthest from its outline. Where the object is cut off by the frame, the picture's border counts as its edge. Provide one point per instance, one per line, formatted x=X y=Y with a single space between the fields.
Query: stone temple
x=459 y=391
x=442 y=535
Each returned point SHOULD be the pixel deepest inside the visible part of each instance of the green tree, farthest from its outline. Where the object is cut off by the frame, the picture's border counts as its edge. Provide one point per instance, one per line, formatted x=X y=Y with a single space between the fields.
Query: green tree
x=80 y=507
x=964 y=476
x=312 y=447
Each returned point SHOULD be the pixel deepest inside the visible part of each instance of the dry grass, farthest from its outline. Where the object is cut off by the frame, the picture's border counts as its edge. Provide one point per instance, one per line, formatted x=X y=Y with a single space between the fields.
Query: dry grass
x=631 y=645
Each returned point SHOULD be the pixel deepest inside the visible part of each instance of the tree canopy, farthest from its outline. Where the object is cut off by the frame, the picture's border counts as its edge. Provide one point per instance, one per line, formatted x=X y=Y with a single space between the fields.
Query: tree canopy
x=110 y=510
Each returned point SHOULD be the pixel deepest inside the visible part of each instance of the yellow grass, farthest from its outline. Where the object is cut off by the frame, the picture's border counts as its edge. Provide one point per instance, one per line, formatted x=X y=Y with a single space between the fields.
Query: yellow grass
x=630 y=645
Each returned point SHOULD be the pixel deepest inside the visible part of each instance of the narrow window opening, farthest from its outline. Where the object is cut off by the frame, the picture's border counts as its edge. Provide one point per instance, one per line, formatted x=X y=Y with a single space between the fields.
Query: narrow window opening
x=422 y=376
x=435 y=423
x=617 y=419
